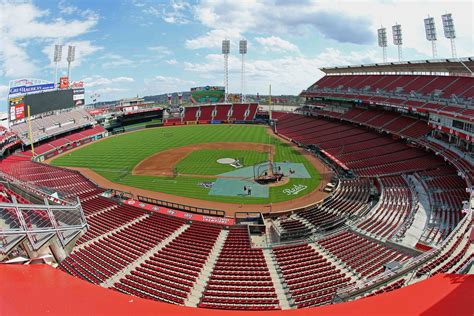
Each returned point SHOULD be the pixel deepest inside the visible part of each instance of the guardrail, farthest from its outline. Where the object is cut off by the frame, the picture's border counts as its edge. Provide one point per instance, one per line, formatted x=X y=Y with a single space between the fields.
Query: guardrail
x=181 y=207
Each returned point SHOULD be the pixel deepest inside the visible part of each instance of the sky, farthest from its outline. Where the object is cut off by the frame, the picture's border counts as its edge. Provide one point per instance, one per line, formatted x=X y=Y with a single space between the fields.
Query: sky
x=126 y=48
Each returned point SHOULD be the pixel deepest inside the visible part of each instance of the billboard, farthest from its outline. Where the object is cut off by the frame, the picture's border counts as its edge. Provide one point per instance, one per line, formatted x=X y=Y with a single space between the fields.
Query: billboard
x=78 y=96
x=41 y=103
x=207 y=94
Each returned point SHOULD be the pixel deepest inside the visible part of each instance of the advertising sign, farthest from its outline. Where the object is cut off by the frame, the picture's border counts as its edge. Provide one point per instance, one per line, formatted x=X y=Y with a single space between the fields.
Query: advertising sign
x=76 y=97
x=19 y=111
x=63 y=83
x=32 y=88
x=76 y=84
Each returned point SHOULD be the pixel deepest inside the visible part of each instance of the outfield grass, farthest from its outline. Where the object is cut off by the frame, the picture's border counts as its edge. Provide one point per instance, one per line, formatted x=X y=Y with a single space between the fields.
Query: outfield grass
x=115 y=157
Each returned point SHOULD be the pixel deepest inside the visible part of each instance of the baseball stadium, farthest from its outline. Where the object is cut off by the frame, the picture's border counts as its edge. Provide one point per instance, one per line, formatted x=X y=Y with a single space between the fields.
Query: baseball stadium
x=357 y=201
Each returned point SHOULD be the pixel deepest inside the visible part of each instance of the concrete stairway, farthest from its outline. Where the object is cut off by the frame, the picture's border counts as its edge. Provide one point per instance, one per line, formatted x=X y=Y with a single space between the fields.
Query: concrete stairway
x=203 y=278
x=278 y=282
x=120 y=274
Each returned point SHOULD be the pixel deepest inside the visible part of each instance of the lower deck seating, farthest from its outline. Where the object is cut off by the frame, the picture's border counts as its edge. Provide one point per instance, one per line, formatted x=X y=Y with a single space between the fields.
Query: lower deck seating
x=363 y=255
x=170 y=273
x=312 y=280
x=240 y=279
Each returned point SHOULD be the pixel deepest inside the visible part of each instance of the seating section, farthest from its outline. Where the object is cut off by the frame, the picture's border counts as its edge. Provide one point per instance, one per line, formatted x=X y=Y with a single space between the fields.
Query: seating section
x=340 y=139
x=8 y=138
x=396 y=89
x=393 y=208
x=63 y=142
x=291 y=228
x=240 y=279
x=105 y=257
x=171 y=272
x=220 y=112
x=349 y=199
x=190 y=113
x=451 y=255
x=361 y=254
x=47 y=125
x=312 y=280
x=447 y=194
x=67 y=183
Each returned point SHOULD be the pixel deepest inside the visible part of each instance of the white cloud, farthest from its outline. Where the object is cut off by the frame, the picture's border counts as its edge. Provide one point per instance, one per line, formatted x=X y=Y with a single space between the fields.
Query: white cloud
x=164 y=84
x=171 y=61
x=177 y=12
x=276 y=44
x=160 y=50
x=213 y=39
x=115 y=60
x=35 y=24
x=344 y=22
x=287 y=75
x=283 y=17
x=83 y=50
x=96 y=80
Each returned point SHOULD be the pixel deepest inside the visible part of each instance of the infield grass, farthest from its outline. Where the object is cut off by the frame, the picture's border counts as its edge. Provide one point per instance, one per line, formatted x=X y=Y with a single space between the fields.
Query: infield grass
x=114 y=158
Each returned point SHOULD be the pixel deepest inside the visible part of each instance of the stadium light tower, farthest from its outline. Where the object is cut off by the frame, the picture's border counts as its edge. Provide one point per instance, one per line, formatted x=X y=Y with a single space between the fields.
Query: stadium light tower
x=226 y=52
x=58 y=52
x=382 y=35
x=243 y=52
x=430 y=30
x=71 y=56
x=397 y=39
x=449 y=32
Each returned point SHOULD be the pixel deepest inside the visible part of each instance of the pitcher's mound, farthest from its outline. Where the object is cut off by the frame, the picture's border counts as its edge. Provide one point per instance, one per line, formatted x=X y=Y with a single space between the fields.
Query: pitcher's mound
x=226 y=161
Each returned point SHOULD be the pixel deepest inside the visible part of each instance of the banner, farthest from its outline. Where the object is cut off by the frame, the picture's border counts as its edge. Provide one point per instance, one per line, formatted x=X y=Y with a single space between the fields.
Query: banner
x=63 y=83
x=76 y=84
x=33 y=88
x=19 y=111
x=181 y=214
x=78 y=91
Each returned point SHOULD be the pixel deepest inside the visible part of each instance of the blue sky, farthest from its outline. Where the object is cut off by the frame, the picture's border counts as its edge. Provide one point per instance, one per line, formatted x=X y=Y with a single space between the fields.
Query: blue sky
x=130 y=47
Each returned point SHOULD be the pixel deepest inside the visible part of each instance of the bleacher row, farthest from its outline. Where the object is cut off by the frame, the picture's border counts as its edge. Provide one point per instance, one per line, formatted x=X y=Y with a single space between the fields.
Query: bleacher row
x=46 y=126
x=64 y=141
x=379 y=155
x=393 y=208
x=391 y=122
x=446 y=196
x=219 y=112
x=415 y=91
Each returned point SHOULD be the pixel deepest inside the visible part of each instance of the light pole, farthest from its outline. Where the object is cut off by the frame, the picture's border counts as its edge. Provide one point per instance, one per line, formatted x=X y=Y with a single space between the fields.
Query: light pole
x=397 y=39
x=71 y=56
x=226 y=52
x=243 y=52
x=58 y=51
x=430 y=30
x=382 y=36
x=449 y=32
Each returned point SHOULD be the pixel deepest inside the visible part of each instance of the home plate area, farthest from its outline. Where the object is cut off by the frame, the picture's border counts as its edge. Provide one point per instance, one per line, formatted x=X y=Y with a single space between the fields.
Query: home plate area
x=232 y=183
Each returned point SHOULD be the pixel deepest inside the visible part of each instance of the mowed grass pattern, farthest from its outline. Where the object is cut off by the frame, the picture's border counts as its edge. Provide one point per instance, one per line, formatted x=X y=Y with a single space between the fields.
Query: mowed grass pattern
x=114 y=158
x=204 y=162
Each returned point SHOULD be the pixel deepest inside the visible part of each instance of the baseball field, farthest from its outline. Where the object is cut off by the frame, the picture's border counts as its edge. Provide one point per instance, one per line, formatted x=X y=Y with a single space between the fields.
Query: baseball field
x=182 y=161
